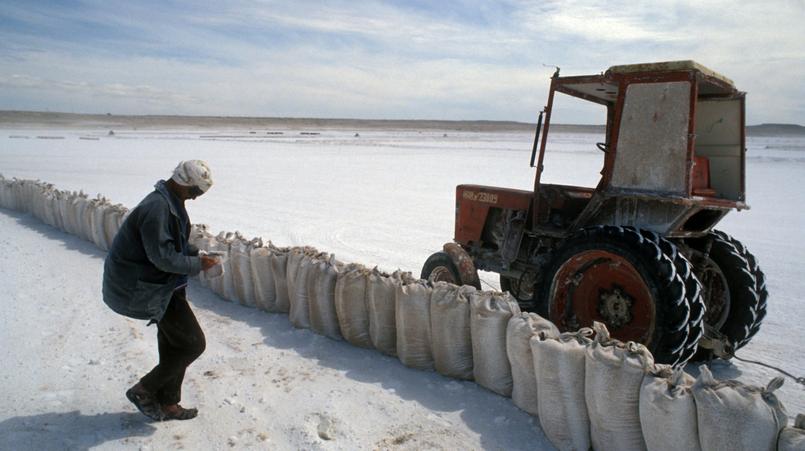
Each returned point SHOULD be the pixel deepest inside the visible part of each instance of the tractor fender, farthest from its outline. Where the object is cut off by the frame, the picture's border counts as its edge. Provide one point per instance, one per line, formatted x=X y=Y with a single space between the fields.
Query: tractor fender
x=464 y=263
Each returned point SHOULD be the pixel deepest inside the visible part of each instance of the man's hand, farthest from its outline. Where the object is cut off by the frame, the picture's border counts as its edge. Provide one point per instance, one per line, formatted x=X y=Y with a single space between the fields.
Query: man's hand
x=208 y=262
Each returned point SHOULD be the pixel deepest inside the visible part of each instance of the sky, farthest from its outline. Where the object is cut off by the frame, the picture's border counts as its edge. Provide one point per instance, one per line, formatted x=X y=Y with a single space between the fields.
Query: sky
x=453 y=60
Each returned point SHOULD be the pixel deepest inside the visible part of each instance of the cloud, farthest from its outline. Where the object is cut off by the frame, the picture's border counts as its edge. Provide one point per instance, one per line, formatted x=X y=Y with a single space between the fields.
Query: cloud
x=467 y=59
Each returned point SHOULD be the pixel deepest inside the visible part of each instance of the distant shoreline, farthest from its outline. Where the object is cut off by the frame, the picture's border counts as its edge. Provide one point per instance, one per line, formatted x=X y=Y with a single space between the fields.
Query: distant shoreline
x=40 y=119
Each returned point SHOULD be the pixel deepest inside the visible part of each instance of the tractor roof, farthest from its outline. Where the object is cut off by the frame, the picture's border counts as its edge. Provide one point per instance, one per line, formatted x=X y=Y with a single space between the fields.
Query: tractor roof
x=670 y=66
x=603 y=88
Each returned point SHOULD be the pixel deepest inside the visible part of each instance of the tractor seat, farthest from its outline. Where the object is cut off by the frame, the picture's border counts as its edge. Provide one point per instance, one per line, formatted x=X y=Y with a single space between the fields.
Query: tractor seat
x=701 y=177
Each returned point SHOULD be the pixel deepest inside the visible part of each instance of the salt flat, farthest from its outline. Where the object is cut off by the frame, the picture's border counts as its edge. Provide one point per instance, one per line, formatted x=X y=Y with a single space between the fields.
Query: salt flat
x=384 y=197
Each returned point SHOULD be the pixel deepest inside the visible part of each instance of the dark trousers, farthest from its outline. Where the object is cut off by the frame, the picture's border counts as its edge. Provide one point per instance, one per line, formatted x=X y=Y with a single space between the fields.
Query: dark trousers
x=180 y=341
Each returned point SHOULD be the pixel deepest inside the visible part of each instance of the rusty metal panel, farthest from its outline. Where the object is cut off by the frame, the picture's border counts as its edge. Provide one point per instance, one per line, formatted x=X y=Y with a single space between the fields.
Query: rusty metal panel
x=473 y=203
x=653 y=138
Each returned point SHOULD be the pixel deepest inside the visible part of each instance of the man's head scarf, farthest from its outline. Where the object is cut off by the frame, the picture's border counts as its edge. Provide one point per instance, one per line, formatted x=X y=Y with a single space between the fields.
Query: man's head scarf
x=193 y=173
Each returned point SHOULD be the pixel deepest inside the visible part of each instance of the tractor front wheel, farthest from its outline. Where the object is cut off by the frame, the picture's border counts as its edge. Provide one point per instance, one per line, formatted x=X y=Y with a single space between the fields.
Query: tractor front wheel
x=633 y=281
x=439 y=267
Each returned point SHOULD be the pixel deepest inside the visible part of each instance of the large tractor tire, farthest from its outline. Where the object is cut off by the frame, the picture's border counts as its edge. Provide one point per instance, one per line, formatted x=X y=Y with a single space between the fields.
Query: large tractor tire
x=439 y=267
x=635 y=282
x=734 y=287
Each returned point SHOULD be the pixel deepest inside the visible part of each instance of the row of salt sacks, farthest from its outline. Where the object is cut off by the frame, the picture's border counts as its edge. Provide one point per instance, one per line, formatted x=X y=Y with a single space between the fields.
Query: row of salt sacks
x=489 y=317
x=793 y=438
x=351 y=304
x=668 y=410
x=381 y=298
x=265 y=289
x=521 y=328
x=279 y=273
x=240 y=258
x=321 y=297
x=613 y=375
x=559 y=368
x=412 y=313
x=733 y=416
x=450 y=330
x=300 y=267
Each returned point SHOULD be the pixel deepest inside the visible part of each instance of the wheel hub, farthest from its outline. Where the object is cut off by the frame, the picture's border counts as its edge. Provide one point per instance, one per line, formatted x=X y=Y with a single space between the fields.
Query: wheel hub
x=598 y=285
x=442 y=274
x=615 y=307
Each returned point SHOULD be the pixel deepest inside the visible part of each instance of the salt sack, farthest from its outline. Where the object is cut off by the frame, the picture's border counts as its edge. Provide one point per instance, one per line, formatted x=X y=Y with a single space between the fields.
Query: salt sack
x=613 y=375
x=380 y=296
x=734 y=417
x=559 y=367
x=279 y=271
x=351 y=305
x=295 y=257
x=299 y=313
x=521 y=328
x=240 y=258
x=265 y=295
x=111 y=222
x=450 y=330
x=412 y=306
x=85 y=218
x=668 y=410
x=220 y=246
x=793 y=438
x=202 y=240
x=97 y=210
x=321 y=298
x=489 y=317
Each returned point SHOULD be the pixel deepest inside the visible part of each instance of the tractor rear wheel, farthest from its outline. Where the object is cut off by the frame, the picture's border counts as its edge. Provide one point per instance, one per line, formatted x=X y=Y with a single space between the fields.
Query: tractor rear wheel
x=734 y=287
x=635 y=282
x=439 y=267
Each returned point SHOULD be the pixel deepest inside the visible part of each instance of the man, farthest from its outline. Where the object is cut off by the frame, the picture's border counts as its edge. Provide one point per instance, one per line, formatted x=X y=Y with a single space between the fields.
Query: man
x=144 y=277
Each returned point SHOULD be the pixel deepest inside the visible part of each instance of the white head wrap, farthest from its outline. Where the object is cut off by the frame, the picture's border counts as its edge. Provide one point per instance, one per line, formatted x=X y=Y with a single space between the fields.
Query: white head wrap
x=193 y=173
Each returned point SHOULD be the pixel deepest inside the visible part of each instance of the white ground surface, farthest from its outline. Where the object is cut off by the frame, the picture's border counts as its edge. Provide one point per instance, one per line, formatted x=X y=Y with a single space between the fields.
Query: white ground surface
x=384 y=198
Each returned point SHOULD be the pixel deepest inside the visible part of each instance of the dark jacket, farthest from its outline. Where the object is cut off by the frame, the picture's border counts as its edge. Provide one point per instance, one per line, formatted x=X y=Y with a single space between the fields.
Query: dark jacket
x=146 y=260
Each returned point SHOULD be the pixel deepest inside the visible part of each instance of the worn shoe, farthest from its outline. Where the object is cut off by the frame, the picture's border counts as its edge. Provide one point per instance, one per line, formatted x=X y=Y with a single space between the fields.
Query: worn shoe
x=145 y=402
x=177 y=412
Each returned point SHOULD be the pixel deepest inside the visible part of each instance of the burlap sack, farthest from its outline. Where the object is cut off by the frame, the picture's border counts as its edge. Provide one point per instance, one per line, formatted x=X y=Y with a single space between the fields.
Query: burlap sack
x=352 y=306
x=668 y=411
x=489 y=317
x=321 y=298
x=733 y=416
x=793 y=438
x=240 y=258
x=450 y=330
x=559 y=367
x=265 y=293
x=521 y=328
x=614 y=372
x=412 y=306
x=279 y=271
x=381 y=294
x=299 y=313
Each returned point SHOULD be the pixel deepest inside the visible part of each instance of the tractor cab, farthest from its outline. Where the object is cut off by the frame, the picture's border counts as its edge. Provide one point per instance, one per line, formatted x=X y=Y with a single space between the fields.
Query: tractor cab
x=673 y=158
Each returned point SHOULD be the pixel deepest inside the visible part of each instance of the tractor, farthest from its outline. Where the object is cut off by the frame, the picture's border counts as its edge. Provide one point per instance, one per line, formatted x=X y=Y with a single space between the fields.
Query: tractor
x=638 y=252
